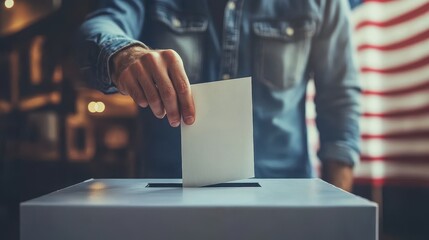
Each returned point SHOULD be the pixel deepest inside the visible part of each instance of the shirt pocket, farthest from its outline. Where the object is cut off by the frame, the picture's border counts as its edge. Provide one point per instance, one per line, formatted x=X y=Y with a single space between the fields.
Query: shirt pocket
x=178 y=21
x=281 y=49
x=183 y=32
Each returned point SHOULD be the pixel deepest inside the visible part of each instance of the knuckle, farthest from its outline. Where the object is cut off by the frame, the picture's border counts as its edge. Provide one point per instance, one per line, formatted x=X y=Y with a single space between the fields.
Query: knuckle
x=172 y=111
x=151 y=96
x=186 y=109
x=142 y=79
x=135 y=94
x=169 y=95
x=151 y=57
x=131 y=66
x=134 y=69
x=135 y=89
x=169 y=53
x=122 y=80
x=132 y=92
x=154 y=101
x=138 y=98
x=171 y=56
x=182 y=88
x=121 y=88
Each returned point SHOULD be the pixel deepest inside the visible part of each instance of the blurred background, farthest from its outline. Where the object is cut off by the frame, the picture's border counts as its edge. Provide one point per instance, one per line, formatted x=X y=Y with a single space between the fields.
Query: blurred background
x=55 y=131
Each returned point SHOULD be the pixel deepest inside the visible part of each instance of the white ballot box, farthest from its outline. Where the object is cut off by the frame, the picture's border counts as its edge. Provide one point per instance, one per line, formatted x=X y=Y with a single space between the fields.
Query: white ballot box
x=161 y=209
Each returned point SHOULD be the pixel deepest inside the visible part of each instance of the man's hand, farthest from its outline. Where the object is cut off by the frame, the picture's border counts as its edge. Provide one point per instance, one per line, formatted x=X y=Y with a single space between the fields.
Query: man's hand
x=155 y=78
x=338 y=174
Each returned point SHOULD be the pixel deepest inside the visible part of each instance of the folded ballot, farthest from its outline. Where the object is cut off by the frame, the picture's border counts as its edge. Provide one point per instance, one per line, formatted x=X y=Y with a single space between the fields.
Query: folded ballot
x=218 y=147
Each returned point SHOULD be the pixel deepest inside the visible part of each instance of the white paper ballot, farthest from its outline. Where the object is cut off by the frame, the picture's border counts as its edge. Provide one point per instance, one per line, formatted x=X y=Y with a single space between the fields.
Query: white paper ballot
x=218 y=147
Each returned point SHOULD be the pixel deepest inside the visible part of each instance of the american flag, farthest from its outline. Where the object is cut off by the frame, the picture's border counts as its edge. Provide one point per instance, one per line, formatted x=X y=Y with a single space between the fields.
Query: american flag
x=392 y=42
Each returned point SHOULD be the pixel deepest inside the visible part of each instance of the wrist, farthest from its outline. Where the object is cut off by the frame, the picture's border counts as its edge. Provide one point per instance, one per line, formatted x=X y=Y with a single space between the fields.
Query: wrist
x=124 y=58
x=338 y=174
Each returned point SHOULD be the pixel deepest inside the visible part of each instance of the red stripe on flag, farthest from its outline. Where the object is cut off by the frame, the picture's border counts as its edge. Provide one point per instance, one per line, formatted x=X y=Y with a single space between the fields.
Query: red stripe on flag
x=310 y=121
x=397 y=45
x=406 y=67
x=396 y=20
x=400 y=113
x=420 y=134
x=420 y=87
x=309 y=97
x=379 y=1
x=403 y=158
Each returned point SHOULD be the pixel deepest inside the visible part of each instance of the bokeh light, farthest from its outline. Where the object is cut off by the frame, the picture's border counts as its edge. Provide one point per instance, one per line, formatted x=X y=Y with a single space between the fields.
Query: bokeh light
x=9 y=3
x=96 y=107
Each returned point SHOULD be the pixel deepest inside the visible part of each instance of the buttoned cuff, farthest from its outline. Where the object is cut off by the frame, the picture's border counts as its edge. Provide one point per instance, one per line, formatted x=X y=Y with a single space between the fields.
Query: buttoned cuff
x=108 y=49
x=340 y=152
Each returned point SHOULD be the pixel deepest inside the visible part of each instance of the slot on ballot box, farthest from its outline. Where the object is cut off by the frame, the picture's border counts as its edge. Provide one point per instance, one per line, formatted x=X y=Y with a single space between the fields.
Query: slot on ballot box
x=179 y=185
x=251 y=209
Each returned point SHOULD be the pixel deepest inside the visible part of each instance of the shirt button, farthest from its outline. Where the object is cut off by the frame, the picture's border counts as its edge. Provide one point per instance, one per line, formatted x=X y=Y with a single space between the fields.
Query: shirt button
x=176 y=22
x=290 y=31
x=231 y=5
x=226 y=76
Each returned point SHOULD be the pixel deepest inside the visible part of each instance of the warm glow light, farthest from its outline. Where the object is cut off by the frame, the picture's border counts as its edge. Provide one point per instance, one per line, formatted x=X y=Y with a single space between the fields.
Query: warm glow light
x=98 y=107
x=97 y=186
x=9 y=3
x=91 y=107
x=36 y=60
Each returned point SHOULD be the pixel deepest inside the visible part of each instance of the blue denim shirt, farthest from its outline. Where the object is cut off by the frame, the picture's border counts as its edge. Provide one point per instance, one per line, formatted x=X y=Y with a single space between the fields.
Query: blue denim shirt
x=280 y=43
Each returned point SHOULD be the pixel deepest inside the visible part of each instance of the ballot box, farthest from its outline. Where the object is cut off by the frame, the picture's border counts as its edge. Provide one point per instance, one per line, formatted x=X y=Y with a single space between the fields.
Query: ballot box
x=161 y=209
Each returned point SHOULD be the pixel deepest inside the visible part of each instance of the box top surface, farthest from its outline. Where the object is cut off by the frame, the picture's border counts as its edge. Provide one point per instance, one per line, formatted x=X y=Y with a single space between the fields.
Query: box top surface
x=135 y=193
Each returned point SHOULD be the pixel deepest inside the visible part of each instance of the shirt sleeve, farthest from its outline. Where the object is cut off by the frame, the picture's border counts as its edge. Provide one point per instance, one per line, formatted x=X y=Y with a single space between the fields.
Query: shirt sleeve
x=337 y=85
x=116 y=24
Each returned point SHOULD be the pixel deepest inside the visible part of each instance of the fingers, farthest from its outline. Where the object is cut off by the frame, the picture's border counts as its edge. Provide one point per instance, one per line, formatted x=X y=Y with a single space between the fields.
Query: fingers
x=166 y=90
x=181 y=85
x=159 y=81
x=150 y=90
x=130 y=86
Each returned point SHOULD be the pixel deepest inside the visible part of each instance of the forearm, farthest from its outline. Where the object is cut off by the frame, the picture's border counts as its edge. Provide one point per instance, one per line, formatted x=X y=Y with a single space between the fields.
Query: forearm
x=338 y=124
x=105 y=32
x=337 y=87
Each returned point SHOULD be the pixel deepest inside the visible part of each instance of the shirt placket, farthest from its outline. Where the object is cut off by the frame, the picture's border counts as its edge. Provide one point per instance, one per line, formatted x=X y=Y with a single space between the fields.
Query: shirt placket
x=231 y=39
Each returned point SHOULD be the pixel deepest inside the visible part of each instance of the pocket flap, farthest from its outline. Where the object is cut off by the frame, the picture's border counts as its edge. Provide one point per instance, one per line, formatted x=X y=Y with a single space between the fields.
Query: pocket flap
x=288 y=30
x=179 y=22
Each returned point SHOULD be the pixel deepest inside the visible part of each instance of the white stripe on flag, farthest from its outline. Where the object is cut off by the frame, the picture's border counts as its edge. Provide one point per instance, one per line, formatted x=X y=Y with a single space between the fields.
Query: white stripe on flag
x=378 y=82
x=379 y=126
x=381 y=12
x=377 y=169
x=388 y=59
x=379 y=104
x=384 y=36
x=383 y=147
